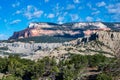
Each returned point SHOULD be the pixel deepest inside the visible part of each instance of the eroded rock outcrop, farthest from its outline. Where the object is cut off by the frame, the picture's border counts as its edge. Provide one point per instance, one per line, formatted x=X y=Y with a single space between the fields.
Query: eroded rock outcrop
x=68 y=29
x=101 y=42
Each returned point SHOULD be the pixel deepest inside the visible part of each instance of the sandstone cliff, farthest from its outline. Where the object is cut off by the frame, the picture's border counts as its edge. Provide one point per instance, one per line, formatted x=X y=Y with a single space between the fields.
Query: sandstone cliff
x=65 y=30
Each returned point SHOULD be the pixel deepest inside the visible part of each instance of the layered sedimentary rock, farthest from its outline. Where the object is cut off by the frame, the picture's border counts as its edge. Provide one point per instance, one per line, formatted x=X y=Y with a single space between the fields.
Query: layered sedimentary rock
x=79 y=29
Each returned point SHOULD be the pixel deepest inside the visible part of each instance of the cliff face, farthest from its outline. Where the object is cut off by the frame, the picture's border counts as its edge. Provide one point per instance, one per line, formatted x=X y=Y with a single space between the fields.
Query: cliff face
x=103 y=42
x=111 y=39
x=64 y=30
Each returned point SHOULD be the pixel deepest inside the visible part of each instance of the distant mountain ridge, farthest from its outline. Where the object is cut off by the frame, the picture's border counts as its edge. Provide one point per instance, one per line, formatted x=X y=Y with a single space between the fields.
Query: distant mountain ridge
x=70 y=30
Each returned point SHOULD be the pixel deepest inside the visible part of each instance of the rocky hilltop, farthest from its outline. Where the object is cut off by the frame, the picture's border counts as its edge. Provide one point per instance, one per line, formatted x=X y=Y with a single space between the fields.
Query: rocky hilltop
x=63 y=30
x=101 y=42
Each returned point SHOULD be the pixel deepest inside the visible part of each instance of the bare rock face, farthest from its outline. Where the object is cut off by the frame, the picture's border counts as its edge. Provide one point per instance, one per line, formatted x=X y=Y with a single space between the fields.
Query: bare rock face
x=111 y=39
x=101 y=42
x=69 y=29
x=27 y=50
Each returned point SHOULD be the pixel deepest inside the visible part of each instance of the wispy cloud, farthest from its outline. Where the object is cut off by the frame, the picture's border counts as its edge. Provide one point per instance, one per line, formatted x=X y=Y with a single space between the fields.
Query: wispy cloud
x=18 y=12
x=59 y=10
x=76 y=1
x=51 y=15
x=3 y=37
x=96 y=12
x=15 y=21
x=114 y=9
x=89 y=18
x=74 y=17
x=65 y=13
x=98 y=19
x=46 y=1
x=16 y=4
x=101 y=4
x=60 y=19
x=89 y=5
x=32 y=12
x=70 y=6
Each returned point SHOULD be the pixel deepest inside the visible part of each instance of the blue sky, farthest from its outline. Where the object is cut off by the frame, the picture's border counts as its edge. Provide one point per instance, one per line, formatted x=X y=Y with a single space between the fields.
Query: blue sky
x=15 y=15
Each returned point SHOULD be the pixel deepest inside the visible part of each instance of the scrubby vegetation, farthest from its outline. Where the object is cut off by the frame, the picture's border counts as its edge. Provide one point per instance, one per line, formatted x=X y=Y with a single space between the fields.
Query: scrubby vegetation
x=74 y=67
x=3 y=48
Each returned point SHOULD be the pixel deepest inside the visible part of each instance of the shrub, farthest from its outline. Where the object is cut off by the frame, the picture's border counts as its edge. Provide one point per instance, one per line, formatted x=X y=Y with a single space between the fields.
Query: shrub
x=103 y=76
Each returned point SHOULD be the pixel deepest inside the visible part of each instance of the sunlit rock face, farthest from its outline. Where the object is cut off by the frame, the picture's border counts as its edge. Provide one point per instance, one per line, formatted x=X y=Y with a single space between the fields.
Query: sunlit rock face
x=111 y=39
x=100 y=42
x=76 y=30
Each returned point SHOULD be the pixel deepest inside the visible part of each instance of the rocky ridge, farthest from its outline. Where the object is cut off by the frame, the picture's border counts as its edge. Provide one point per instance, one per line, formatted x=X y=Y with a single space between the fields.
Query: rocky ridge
x=103 y=42
x=76 y=30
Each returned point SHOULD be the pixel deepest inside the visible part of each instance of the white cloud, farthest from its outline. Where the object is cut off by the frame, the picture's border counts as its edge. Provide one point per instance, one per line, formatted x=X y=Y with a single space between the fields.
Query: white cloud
x=15 y=21
x=46 y=1
x=32 y=12
x=59 y=10
x=57 y=7
x=95 y=13
x=98 y=19
x=89 y=5
x=101 y=4
x=70 y=6
x=94 y=9
x=3 y=37
x=114 y=9
x=65 y=13
x=16 y=4
x=74 y=17
x=89 y=18
x=18 y=12
x=60 y=22
x=76 y=1
x=51 y=15
x=37 y=13
x=60 y=19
